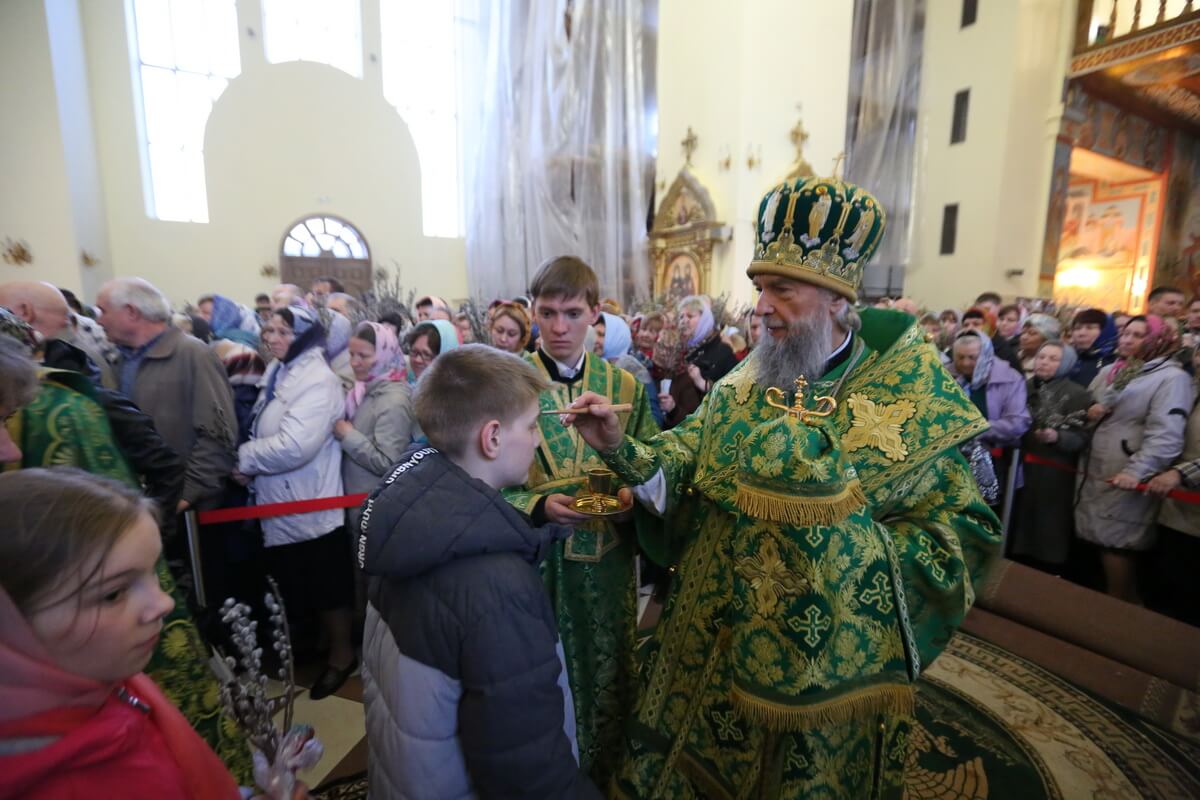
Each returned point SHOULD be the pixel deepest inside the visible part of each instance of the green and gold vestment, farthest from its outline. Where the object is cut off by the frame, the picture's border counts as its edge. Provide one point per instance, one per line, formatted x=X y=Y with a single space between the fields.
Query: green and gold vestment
x=591 y=576
x=893 y=595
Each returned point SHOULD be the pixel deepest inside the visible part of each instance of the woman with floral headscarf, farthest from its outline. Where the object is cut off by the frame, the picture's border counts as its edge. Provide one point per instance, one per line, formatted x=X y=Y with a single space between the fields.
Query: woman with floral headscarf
x=379 y=417
x=1142 y=404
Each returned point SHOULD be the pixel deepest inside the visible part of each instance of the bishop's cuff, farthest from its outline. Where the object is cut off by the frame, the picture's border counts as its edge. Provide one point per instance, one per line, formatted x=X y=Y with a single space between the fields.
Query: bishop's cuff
x=634 y=462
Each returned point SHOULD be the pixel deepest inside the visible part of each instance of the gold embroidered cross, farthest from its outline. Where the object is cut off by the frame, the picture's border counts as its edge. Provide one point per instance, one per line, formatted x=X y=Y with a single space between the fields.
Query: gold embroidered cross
x=769 y=577
x=812 y=626
x=879 y=596
x=878 y=425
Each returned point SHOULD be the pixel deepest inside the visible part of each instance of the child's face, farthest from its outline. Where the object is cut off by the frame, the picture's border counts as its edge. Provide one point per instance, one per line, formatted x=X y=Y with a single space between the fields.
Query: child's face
x=107 y=629
x=519 y=441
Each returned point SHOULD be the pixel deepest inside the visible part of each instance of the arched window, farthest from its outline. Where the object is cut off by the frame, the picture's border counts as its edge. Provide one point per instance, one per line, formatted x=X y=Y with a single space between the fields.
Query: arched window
x=324 y=245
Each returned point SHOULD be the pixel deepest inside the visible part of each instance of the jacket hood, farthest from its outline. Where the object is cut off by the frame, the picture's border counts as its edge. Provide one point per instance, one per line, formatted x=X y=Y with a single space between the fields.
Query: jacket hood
x=428 y=512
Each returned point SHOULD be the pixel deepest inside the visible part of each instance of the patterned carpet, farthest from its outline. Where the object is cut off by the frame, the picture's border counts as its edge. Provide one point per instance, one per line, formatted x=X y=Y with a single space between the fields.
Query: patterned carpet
x=994 y=725
x=989 y=725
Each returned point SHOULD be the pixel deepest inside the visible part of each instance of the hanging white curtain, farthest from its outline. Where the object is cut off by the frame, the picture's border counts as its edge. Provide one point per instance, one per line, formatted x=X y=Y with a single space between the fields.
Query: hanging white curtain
x=562 y=158
x=885 y=80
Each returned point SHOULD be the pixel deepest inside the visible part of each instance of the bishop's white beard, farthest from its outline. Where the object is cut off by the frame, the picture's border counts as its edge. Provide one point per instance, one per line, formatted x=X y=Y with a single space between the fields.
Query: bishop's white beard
x=804 y=351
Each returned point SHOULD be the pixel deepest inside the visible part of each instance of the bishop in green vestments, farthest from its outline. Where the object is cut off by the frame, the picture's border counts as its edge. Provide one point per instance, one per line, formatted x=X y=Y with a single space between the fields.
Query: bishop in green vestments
x=590 y=576
x=784 y=662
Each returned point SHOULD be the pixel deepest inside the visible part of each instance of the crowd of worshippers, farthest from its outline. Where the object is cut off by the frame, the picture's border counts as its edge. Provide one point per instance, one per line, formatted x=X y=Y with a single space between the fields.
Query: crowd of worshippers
x=314 y=393
x=307 y=394
x=1094 y=406
x=1093 y=427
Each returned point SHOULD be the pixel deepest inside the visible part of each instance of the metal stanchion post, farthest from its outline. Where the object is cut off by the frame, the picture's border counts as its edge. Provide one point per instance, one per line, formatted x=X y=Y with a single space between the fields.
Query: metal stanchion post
x=193 y=542
x=1010 y=488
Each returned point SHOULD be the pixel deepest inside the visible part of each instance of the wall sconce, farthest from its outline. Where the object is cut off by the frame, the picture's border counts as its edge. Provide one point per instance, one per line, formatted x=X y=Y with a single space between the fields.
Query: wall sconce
x=726 y=161
x=269 y=271
x=753 y=157
x=87 y=259
x=17 y=252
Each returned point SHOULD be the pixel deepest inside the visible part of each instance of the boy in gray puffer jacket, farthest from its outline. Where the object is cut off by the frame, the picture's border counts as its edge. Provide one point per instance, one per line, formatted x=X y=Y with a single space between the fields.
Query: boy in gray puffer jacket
x=464 y=679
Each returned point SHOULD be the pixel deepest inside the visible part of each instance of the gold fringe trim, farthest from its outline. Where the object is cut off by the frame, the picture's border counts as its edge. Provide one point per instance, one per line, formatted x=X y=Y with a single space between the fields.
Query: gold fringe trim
x=891 y=699
x=800 y=510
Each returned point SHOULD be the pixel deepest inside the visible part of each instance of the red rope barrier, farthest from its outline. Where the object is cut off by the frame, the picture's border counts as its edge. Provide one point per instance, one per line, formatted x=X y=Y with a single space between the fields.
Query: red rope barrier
x=279 y=509
x=1182 y=495
x=351 y=500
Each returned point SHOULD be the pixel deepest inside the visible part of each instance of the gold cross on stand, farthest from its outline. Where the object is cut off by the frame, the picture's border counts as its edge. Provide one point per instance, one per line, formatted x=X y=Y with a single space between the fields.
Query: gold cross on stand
x=690 y=142
x=799 y=137
x=825 y=405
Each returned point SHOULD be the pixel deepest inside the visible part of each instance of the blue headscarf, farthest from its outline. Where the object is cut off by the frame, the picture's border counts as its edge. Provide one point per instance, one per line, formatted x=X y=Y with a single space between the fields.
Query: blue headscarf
x=233 y=321
x=617 y=337
x=706 y=324
x=338 y=337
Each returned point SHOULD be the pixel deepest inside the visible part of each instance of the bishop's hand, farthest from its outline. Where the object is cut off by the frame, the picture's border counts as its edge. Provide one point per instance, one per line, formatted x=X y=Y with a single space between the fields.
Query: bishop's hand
x=599 y=425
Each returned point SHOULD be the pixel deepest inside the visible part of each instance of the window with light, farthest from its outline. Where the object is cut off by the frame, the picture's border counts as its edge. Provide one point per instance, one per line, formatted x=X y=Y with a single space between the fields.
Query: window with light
x=186 y=51
x=425 y=45
x=324 y=31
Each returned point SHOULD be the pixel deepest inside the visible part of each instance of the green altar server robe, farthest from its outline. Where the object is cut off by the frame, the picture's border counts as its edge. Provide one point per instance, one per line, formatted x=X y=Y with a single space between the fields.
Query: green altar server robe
x=591 y=576
x=899 y=417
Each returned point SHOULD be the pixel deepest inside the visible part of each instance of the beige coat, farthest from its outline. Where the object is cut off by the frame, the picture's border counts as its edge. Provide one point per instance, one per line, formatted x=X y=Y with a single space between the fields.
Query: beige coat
x=1185 y=517
x=182 y=385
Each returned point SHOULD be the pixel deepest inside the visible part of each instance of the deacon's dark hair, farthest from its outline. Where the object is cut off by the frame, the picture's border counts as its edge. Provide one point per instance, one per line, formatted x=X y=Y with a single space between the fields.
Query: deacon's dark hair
x=1159 y=291
x=468 y=387
x=565 y=277
x=973 y=313
x=988 y=297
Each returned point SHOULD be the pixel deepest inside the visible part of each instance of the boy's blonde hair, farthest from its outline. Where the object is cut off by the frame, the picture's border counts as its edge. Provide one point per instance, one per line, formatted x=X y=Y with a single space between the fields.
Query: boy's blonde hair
x=468 y=386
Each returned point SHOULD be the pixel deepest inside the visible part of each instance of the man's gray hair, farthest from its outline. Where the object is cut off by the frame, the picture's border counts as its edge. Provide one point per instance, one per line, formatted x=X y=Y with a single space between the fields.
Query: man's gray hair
x=847 y=319
x=142 y=295
x=356 y=312
x=18 y=375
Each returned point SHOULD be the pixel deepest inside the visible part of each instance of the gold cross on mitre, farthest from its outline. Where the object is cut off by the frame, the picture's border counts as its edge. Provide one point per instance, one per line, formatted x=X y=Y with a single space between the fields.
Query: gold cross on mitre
x=837 y=165
x=824 y=405
x=690 y=143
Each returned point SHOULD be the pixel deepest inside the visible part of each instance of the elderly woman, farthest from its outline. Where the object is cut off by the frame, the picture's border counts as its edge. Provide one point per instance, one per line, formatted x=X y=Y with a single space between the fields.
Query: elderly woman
x=511 y=327
x=1142 y=404
x=1035 y=332
x=997 y=390
x=706 y=360
x=293 y=456
x=1046 y=518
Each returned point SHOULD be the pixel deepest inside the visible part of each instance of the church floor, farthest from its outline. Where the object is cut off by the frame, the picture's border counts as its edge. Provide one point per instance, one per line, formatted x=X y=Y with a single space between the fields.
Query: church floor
x=990 y=724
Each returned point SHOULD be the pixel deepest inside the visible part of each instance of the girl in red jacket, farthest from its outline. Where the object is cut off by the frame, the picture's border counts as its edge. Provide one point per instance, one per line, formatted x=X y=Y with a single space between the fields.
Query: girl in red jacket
x=80 y=613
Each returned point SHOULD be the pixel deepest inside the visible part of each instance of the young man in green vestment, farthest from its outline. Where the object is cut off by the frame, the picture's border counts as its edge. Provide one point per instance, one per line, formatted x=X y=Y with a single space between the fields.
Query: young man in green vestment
x=590 y=576
x=784 y=662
